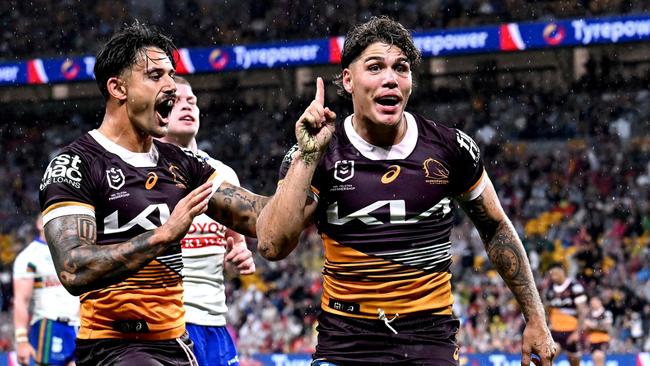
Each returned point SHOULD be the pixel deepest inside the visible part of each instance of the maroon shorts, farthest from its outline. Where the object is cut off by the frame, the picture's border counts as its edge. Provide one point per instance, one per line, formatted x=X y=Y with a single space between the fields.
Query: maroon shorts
x=601 y=346
x=127 y=352
x=562 y=338
x=421 y=340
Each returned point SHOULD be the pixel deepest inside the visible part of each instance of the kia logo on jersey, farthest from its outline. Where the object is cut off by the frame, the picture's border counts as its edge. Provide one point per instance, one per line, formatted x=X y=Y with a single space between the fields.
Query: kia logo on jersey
x=344 y=170
x=115 y=178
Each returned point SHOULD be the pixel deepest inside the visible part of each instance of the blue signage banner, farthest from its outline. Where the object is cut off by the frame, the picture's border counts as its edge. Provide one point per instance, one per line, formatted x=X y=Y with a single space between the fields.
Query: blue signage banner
x=509 y=37
x=266 y=56
x=458 y=41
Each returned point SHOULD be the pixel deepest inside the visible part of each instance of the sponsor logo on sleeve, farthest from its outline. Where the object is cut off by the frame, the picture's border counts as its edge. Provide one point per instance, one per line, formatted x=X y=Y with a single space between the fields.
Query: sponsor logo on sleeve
x=468 y=144
x=288 y=157
x=63 y=169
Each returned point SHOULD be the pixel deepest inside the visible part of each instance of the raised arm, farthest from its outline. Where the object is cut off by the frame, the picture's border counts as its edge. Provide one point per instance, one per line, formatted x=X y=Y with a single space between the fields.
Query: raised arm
x=82 y=265
x=507 y=255
x=288 y=213
x=290 y=209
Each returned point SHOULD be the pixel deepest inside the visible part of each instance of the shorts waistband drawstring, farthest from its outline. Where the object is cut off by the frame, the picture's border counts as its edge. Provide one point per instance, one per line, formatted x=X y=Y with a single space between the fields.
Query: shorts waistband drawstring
x=382 y=316
x=188 y=352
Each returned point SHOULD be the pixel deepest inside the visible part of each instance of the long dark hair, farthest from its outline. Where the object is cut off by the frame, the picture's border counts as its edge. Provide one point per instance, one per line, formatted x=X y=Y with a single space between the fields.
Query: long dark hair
x=123 y=49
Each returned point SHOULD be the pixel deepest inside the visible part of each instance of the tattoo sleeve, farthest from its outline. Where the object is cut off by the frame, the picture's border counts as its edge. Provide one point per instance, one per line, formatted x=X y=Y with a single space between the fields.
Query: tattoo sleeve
x=236 y=208
x=505 y=251
x=82 y=265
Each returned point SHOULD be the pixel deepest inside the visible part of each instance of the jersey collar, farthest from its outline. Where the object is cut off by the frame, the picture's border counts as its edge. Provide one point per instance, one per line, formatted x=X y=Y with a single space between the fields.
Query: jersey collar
x=138 y=160
x=394 y=152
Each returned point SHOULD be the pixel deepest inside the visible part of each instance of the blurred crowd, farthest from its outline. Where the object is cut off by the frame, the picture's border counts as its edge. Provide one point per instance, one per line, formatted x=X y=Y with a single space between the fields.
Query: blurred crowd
x=571 y=168
x=53 y=28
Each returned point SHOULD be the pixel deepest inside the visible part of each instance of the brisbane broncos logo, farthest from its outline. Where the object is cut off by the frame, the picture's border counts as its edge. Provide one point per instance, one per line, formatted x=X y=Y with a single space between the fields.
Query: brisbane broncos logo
x=177 y=177
x=435 y=172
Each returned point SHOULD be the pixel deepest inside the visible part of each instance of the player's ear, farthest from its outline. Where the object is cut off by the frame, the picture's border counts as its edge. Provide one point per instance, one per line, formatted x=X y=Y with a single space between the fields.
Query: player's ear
x=347 y=80
x=116 y=88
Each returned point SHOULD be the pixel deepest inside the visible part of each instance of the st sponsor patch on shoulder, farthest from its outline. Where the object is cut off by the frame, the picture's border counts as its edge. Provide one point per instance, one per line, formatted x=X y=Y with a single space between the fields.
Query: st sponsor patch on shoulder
x=65 y=168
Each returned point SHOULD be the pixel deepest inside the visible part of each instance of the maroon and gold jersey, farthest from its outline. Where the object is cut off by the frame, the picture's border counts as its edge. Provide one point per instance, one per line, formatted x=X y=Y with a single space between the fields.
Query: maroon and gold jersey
x=563 y=303
x=127 y=193
x=385 y=215
x=600 y=321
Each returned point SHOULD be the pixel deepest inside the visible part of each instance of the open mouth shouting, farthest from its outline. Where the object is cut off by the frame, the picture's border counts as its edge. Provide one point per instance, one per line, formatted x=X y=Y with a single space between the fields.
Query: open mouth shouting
x=388 y=103
x=163 y=108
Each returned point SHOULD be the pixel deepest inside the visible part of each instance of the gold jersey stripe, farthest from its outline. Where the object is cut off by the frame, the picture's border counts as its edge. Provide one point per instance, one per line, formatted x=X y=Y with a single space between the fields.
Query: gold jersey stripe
x=67 y=204
x=478 y=181
x=431 y=293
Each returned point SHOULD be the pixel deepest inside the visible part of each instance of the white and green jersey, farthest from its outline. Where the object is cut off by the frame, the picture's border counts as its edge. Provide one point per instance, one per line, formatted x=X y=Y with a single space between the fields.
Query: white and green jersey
x=51 y=299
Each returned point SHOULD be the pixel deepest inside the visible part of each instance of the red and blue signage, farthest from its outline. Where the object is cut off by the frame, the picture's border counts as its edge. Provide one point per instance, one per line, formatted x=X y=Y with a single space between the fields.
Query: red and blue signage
x=509 y=37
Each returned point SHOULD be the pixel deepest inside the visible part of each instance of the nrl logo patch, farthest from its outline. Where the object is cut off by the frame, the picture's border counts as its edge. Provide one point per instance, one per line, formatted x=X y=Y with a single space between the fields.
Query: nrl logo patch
x=115 y=178
x=344 y=170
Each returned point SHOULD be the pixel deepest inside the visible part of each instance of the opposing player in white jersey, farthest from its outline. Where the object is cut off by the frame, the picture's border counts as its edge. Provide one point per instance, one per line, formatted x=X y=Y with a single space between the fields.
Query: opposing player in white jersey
x=50 y=339
x=206 y=248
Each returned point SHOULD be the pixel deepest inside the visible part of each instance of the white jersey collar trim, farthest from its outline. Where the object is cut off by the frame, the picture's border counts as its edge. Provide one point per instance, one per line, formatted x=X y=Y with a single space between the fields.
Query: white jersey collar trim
x=563 y=286
x=394 y=152
x=138 y=160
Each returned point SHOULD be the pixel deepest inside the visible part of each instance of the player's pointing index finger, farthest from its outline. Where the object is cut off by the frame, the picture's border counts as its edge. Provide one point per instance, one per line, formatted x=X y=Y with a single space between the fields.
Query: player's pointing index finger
x=320 y=91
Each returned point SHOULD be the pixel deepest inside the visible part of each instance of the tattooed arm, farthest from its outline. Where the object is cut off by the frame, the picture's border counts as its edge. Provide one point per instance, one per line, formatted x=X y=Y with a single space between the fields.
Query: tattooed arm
x=291 y=209
x=236 y=208
x=82 y=265
x=508 y=256
x=288 y=213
